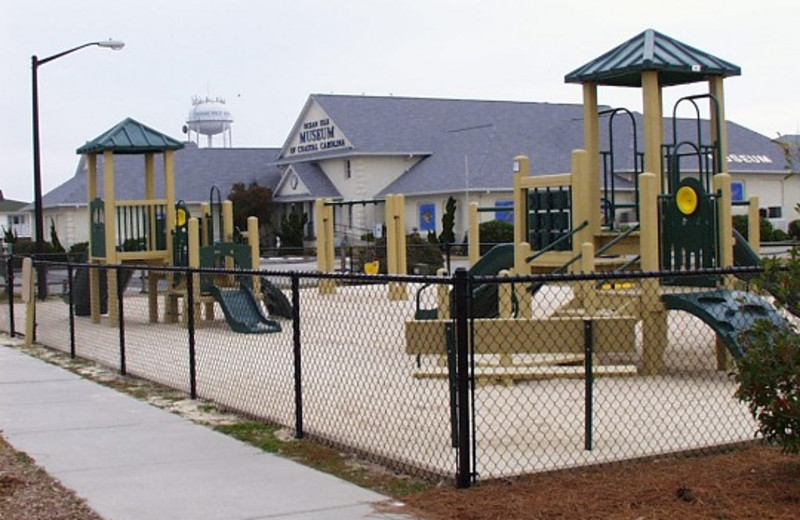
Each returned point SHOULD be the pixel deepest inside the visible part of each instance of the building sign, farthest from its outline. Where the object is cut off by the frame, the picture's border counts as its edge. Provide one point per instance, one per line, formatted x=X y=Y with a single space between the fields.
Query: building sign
x=737 y=191
x=505 y=216
x=427 y=217
x=748 y=159
x=318 y=135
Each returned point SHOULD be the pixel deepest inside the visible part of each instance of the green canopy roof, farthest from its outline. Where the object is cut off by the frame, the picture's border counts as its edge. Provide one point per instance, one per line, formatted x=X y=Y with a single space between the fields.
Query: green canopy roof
x=676 y=62
x=130 y=137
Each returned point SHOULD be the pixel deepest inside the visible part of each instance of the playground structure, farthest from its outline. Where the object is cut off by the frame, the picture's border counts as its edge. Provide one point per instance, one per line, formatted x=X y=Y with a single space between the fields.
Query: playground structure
x=395 y=241
x=681 y=221
x=160 y=232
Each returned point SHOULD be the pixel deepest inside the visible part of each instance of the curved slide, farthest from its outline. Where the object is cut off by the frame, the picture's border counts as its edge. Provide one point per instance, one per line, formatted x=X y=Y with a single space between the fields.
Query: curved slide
x=484 y=296
x=729 y=313
x=277 y=303
x=242 y=311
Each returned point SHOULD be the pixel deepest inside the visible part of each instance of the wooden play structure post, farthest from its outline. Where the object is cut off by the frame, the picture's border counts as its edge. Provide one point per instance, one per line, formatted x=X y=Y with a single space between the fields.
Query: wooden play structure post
x=654 y=315
x=254 y=241
x=325 y=244
x=396 y=262
x=473 y=235
x=522 y=170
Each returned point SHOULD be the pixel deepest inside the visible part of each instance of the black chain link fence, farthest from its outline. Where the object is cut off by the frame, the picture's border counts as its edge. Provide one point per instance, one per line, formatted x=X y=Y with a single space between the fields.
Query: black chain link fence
x=453 y=377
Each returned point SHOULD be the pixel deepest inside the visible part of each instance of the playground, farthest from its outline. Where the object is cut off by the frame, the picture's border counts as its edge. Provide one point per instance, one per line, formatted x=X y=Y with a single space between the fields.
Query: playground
x=359 y=388
x=624 y=352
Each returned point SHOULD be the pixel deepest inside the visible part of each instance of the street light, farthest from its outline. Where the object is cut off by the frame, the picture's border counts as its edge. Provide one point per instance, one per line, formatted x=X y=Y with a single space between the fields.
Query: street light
x=37 y=173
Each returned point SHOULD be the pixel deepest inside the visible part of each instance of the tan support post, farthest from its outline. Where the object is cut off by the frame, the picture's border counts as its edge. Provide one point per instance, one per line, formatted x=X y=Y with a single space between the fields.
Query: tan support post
x=325 y=252
x=583 y=202
x=396 y=244
x=522 y=168
x=227 y=221
x=654 y=315
x=591 y=140
x=194 y=262
x=587 y=292
x=716 y=89
x=255 y=251
x=94 y=295
x=754 y=224
x=150 y=195
x=722 y=184
x=474 y=235
x=653 y=121
x=442 y=297
x=169 y=195
x=506 y=303
x=227 y=228
x=110 y=209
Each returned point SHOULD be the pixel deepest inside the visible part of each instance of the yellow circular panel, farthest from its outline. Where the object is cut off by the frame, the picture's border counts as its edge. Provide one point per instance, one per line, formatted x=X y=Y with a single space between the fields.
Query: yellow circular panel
x=686 y=199
x=180 y=217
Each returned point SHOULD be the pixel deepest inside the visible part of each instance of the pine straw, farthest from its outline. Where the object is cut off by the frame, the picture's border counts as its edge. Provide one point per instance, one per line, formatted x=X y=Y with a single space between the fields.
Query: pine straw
x=754 y=482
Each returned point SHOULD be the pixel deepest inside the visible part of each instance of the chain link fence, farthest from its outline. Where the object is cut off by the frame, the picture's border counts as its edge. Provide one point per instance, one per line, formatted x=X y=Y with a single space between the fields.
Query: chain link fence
x=454 y=377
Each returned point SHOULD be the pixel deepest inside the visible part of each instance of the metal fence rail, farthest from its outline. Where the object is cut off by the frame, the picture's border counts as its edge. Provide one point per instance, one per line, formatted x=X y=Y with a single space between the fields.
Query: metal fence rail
x=404 y=370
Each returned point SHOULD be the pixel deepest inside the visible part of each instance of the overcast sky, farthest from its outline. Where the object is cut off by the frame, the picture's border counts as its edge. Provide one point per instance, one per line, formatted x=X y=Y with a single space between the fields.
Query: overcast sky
x=265 y=57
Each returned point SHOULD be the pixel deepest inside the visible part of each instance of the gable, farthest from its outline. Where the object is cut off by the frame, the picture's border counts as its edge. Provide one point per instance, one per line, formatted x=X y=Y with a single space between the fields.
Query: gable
x=314 y=132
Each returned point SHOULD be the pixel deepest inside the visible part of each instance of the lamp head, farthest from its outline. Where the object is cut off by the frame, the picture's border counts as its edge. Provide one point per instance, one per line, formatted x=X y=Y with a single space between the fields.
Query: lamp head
x=112 y=44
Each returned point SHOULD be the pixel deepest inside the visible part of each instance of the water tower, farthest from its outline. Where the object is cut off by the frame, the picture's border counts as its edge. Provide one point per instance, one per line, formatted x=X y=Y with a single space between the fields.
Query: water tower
x=209 y=117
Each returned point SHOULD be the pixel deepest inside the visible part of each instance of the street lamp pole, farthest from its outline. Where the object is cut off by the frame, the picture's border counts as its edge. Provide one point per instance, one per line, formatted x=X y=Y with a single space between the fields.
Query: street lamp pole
x=41 y=277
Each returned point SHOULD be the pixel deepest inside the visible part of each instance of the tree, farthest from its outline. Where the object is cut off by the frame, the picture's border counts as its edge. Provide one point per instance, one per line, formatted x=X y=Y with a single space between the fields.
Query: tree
x=251 y=200
x=291 y=233
x=9 y=235
x=55 y=243
x=448 y=222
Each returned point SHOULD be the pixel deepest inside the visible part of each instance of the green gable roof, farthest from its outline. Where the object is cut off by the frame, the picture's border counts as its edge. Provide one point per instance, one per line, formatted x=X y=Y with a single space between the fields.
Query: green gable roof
x=676 y=62
x=130 y=137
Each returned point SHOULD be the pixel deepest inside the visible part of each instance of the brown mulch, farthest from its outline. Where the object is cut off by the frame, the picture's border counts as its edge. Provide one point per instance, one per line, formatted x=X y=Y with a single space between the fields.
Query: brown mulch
x=753 y=482
x=27 y=492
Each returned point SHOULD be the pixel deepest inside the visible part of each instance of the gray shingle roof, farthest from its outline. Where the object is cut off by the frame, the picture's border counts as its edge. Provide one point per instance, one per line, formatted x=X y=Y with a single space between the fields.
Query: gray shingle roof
x=130 y=137
x=196 y=171
x=676 y=62
x=318 y=184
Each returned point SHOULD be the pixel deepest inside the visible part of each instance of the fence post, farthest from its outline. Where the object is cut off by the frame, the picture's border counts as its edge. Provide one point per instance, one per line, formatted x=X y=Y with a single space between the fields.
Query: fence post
x=464 y=473
x=189 y=310
x=71 y=302
x=298 y=368
x=10 y=282
x=588 y=345
x=121 y=313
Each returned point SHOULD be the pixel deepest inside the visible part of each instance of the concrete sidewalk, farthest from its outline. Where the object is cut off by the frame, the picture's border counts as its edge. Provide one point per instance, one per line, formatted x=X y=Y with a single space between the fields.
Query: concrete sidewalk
x=134 y=461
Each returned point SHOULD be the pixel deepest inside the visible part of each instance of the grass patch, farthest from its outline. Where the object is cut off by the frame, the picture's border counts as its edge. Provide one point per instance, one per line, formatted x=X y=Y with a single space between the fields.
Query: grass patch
x=324 y=458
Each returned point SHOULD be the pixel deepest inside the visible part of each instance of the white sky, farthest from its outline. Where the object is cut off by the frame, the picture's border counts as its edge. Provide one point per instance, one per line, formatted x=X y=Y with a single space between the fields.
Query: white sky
x=266 y=57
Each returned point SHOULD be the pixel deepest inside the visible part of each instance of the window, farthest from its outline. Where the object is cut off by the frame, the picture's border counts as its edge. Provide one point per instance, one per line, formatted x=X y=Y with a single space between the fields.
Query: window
x=774 y=212
x=348 y=169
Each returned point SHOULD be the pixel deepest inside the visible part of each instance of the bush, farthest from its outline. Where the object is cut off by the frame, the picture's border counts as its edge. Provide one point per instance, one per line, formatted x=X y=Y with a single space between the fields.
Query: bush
x=769 y=372
x=769 y=383
x=421 y=252
x=495 y=232
x=794 y=229
x=768 y=231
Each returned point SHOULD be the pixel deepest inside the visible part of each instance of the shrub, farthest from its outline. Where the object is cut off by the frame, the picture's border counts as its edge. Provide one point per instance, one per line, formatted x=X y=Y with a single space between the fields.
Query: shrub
x=495 y=232
x=420 y=252
x=740 y=224
x=769 y=372
x=794 y=229
x=769 y=383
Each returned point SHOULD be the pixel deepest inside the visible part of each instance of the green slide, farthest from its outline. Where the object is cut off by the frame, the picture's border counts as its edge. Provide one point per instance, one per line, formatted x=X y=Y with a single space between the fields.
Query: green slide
x=242 y=311
x=484 y=296
x=729 y=313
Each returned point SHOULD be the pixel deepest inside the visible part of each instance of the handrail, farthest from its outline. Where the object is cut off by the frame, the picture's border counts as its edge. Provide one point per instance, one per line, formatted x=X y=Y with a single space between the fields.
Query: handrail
x=616 y=240
x=556 y=242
